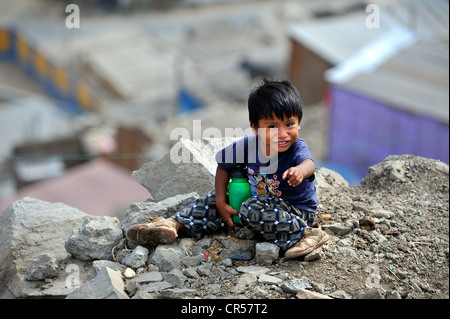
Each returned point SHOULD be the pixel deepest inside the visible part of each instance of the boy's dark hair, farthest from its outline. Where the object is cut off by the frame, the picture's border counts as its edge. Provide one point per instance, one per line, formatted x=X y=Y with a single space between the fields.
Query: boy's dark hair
x=274 y=97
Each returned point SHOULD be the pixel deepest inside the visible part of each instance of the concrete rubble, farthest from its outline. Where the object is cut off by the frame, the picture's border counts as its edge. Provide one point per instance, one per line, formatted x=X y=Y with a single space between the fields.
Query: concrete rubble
x=51 y=250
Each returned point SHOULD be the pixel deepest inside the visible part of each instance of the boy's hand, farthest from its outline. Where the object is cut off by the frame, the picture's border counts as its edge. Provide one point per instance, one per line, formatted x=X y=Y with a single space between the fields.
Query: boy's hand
x=225 y=212
x=295 y=176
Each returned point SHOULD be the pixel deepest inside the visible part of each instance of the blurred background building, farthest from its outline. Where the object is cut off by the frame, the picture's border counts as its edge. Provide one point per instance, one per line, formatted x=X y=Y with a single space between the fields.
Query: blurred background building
x=80 y=108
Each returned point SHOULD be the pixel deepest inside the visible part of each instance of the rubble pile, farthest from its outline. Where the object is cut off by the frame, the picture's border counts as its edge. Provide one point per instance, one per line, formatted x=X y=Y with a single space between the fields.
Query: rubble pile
x=388 y=240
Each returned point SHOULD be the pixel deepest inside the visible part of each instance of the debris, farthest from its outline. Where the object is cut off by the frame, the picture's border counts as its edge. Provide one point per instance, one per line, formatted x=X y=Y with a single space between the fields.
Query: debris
x=367 y=223
x=205 y=268
x=128 y=273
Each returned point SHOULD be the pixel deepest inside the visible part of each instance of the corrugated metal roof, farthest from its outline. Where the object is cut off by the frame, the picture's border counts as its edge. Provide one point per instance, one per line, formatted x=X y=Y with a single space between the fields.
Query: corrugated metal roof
x=337 y=38
x=426 y=18
x=412 y=74
x=98 y=187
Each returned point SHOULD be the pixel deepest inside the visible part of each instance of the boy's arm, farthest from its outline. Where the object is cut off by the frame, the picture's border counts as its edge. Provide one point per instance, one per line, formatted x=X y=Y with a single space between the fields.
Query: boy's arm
x=221 y=186
x=298 y=173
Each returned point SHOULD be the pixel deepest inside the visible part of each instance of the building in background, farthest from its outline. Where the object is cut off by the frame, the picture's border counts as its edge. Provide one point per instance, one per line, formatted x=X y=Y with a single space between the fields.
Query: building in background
x=387 y=89
x=98 y=187
x=400 y=108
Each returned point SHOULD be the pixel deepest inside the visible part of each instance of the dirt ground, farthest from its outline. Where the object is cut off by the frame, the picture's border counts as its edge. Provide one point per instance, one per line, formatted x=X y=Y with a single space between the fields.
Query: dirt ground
x=401 y=254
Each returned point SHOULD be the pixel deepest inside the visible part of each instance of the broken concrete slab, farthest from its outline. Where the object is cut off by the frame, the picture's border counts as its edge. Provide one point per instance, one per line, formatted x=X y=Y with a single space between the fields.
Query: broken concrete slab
x=138 y=211
x=31 y=227
x=190 y=166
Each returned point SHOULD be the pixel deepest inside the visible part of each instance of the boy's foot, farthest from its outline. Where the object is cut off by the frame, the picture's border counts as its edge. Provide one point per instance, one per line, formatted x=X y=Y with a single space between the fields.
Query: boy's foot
x=313 y=238
x=159 y=231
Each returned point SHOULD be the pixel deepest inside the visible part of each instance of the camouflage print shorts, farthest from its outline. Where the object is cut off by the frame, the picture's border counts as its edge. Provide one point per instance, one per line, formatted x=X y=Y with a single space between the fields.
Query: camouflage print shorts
x=273 y=218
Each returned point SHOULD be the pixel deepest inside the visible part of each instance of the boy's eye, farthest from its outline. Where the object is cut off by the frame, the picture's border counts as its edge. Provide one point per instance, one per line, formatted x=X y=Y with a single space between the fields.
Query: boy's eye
x=272 y=126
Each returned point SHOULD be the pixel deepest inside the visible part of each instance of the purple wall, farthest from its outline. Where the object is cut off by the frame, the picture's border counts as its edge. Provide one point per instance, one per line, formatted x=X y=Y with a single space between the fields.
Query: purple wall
x=363 y=132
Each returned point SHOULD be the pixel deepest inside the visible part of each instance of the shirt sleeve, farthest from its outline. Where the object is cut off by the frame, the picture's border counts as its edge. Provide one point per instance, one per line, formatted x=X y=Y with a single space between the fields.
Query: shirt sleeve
x=235 y=153
x=302 y=153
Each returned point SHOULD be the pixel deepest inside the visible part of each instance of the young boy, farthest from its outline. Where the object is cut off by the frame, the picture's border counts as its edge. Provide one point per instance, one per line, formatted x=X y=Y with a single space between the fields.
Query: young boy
x=280 y=171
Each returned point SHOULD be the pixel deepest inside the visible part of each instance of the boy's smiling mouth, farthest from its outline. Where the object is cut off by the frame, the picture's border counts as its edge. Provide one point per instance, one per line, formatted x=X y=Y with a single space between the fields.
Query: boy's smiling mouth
x=282 y=143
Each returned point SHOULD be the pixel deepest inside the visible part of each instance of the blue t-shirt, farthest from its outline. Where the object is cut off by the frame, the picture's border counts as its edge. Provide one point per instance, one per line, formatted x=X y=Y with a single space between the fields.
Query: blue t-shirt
x=265 y=174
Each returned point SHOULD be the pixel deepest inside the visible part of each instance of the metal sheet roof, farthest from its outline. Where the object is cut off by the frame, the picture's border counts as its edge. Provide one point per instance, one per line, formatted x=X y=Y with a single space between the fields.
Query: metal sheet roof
x=405 y=69
x=337 y=38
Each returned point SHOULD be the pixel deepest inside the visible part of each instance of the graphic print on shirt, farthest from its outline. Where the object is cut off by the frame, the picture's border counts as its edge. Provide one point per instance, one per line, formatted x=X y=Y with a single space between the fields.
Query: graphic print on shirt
x=272 y=185
x=261 y=184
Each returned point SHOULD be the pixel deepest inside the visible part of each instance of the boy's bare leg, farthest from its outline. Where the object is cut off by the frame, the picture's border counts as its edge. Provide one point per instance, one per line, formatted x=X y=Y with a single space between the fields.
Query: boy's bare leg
x=178 y=225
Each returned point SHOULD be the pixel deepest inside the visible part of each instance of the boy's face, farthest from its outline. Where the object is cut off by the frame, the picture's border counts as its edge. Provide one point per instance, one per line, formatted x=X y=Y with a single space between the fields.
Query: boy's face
x=278 y=135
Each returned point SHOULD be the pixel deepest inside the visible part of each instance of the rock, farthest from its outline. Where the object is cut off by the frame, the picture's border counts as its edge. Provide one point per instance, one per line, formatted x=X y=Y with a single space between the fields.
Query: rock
x=137 y=213
x=361 y=207
x=100 y=264
x=178 y=293
x=405 y=249
x=337 y=229
x=204 y=270
x=237 y=249
x=399 y=170
x=132 y=287
x=257 y=270
x=307 y=294
x=155 y=287
x=147 y=277
x=175 y=277
x=192 y=261
x=188 y=160
x=166 y=258
x=138 y=258
x=348 y=252
x=128 y=273
x=201 y=246
x=367 y=223
x=266 y=253
x=381 y=213
x=368 y=294
x=389 y=170
x=244 y=281
x=340 y=294
x=95 y=238
x=108 y=284
x=293 y=286
x=43 y=267
x=187 y=245
x=394 y=294
x=316 y=254
x=227 y=262
x=28 y=228
x=191 y=272
x=260 y=293
x=270 y=280
x=329 y=182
